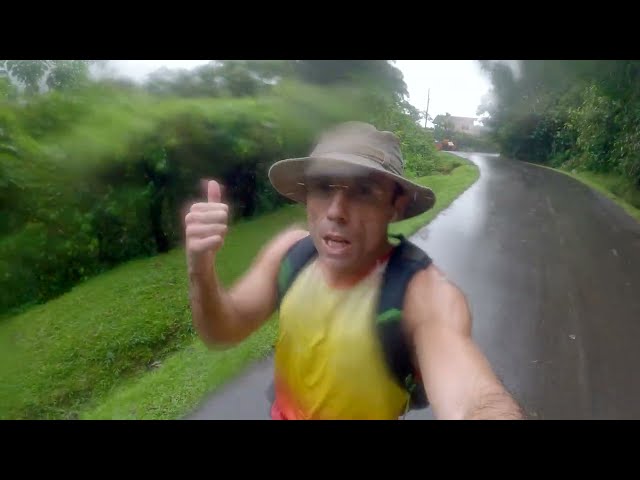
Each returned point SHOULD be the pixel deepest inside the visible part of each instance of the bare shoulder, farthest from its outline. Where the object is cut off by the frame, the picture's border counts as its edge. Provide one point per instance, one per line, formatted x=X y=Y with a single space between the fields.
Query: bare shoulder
x=259 y=281
x=278 y=246
x=432 y=299
x=282 y=242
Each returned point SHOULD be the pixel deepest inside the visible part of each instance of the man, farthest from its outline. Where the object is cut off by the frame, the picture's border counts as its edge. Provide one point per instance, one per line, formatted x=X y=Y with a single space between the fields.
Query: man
x=329 y=362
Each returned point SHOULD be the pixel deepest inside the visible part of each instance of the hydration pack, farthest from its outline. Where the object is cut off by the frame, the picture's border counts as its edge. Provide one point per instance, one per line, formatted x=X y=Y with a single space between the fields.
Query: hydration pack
x=405 y=261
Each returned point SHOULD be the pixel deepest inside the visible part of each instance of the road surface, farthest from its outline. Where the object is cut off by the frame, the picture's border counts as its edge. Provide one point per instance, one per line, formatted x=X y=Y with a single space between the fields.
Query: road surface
x=551 y=270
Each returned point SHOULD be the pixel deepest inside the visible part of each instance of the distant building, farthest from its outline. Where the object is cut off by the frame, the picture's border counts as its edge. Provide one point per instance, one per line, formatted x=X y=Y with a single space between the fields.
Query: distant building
x=461 y=124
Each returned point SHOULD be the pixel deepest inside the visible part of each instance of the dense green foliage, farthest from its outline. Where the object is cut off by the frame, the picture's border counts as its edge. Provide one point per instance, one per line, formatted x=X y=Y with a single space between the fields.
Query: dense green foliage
x=95 y=173
x=582 y=115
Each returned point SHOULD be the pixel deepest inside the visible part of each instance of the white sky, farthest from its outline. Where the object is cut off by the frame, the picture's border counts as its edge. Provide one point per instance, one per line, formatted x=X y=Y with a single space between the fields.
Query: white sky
x=457 y=86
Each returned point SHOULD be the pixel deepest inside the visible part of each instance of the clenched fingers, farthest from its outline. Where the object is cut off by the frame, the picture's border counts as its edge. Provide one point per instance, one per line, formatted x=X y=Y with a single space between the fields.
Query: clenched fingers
x=204 y=206
x=201 y=245
x=200 y=230
x=210 y=216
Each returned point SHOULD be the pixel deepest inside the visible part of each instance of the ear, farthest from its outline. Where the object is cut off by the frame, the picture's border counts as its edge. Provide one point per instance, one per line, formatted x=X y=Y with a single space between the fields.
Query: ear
x=400 y=204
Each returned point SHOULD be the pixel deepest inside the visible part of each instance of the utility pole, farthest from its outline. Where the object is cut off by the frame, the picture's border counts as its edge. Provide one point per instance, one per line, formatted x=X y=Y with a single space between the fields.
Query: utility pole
x=426 y=115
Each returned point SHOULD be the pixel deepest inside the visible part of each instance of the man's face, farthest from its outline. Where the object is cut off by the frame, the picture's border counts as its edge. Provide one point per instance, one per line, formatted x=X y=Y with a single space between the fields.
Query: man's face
x=348 y=217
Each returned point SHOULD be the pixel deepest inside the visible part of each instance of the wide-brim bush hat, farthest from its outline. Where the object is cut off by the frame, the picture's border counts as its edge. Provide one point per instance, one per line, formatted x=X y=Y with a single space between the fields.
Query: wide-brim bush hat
x=352 y=145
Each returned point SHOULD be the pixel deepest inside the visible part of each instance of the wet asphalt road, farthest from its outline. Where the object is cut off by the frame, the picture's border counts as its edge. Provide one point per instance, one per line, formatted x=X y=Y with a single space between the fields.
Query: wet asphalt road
x=551 y=270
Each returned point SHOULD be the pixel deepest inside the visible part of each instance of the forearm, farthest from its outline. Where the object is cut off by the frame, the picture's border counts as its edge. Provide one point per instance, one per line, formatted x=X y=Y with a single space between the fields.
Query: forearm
x=495 y=405
x=215 y=317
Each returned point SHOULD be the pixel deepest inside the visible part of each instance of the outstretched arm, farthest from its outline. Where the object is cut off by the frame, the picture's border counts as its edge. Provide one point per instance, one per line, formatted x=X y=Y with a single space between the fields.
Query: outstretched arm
x=458 y=378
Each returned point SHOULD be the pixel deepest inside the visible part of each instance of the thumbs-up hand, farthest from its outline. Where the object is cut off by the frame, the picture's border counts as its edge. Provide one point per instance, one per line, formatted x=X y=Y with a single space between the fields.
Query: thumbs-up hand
x=206 y=227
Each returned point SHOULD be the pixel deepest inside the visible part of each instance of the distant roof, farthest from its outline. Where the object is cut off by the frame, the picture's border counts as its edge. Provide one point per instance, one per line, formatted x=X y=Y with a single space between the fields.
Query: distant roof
x=452 y=117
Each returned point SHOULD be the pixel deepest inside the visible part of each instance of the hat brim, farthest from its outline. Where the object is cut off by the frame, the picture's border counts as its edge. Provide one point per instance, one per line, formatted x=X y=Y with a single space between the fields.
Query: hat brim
x=287 y=177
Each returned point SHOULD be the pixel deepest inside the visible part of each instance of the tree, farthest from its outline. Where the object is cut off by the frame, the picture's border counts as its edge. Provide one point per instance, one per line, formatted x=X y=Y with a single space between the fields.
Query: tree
x=53 y=74
x=379 y=74
x=578 y=112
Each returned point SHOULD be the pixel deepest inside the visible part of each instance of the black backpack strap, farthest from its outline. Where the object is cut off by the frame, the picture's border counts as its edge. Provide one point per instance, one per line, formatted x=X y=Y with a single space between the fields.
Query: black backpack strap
x=293 y=262
x=405 y=261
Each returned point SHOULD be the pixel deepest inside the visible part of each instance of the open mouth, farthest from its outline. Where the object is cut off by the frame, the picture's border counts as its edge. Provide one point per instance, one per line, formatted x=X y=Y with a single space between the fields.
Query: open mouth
x=336 y=243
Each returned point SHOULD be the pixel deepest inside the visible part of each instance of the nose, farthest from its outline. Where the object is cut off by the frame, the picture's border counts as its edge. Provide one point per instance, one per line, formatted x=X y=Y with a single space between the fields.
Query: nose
x=338 y=207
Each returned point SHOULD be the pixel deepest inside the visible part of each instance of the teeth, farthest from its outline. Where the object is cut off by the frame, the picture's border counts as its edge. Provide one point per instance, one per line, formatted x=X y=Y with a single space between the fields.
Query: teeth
x=335 y=243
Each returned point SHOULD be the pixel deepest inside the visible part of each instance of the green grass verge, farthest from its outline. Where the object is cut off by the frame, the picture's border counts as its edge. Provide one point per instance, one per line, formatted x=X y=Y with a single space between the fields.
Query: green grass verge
x=121 y=346
x=173 y=390
x=447 y=189
x=183 y=379
x=77 y=348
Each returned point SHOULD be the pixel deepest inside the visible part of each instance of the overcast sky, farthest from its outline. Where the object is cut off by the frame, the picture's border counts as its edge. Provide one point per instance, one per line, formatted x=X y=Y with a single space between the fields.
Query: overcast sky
x=457 y=86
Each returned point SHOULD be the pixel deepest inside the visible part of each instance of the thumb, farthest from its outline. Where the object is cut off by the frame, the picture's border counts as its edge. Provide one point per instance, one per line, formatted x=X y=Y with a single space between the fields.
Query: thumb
x=213 y=192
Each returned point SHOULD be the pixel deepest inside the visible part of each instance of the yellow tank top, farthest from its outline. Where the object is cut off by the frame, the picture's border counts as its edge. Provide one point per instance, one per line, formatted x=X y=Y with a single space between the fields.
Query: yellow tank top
x=329 y=363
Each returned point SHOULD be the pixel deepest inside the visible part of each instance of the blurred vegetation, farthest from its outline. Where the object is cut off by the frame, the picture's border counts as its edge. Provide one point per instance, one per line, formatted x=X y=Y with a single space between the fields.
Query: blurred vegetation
x=579 y=115
x=94 y=173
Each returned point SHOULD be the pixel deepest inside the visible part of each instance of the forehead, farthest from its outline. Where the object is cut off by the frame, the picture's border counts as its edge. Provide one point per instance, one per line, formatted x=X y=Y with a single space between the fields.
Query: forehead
x=349 y=176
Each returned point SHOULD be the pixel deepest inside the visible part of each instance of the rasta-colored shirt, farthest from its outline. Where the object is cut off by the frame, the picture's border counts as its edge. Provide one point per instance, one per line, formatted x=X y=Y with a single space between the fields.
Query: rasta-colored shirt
x=329 y=363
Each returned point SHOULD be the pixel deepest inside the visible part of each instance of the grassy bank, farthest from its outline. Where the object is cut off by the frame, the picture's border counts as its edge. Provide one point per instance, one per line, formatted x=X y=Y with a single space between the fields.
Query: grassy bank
x=188 y=375
x=447 y=187
x=121 y=345
x=76 y=348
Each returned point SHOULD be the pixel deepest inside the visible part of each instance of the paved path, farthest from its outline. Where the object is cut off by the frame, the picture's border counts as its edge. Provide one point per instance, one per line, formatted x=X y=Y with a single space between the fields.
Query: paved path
x=552 y=273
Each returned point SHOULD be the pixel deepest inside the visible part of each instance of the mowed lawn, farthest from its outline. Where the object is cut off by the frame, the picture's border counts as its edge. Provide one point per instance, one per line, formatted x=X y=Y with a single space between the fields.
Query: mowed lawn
x=121 y=346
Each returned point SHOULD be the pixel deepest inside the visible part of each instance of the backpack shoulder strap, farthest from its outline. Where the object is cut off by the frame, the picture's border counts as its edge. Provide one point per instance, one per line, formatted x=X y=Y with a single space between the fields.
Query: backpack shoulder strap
x=299 y=254
x=405 y=261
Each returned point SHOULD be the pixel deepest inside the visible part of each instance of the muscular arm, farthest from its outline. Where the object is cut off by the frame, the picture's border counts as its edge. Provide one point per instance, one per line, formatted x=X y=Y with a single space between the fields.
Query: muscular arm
x=458 y=378
x=224 y=317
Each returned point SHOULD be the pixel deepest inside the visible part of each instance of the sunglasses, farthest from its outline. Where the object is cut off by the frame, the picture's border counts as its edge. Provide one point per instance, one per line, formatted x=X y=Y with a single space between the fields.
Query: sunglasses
x=358 y=189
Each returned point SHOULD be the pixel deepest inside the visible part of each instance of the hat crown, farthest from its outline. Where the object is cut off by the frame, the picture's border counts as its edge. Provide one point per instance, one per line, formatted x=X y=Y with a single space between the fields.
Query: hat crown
x=363 y=139
x=346 y=149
